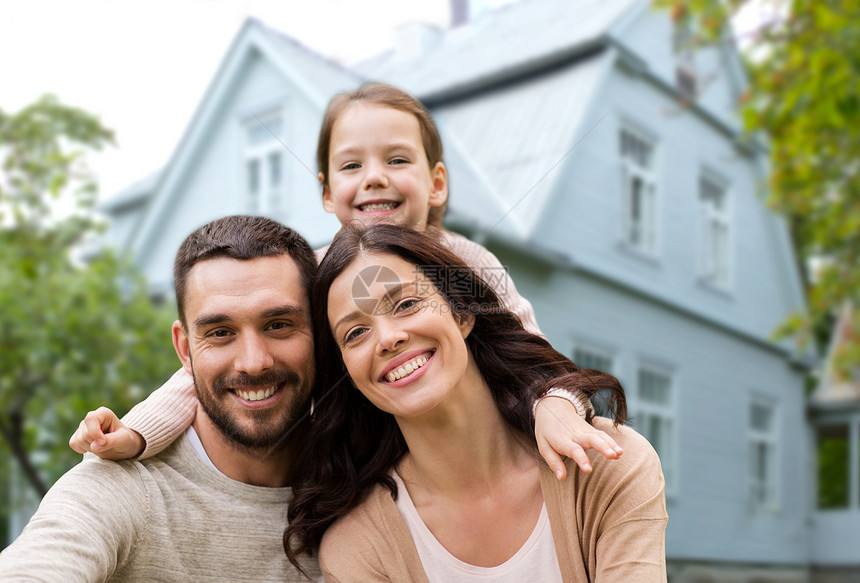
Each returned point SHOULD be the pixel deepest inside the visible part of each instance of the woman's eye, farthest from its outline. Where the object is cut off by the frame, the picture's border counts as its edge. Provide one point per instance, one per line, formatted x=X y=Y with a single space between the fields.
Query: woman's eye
x=354 y=334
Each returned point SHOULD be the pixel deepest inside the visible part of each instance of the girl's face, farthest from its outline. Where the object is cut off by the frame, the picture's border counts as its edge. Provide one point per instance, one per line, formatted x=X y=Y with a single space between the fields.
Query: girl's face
x=403 y=348
x=379 y=169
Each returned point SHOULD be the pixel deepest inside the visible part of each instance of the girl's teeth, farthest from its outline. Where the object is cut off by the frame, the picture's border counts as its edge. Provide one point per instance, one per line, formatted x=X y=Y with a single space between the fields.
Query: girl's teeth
x=382 y=206
x=406 y=369
x=257 y=395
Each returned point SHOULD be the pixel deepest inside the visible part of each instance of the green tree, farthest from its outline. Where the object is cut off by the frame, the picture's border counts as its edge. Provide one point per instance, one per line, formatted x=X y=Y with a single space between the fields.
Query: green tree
x=76 y=333
x=805 y=98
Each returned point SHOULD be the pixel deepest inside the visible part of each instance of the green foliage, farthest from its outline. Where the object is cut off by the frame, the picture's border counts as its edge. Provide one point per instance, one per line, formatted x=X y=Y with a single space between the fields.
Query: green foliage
x=76 y=333
x=804 y=96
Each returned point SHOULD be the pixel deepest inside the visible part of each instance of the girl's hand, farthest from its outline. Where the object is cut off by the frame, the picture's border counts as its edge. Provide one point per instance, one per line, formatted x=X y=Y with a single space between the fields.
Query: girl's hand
x=560 y=431
x=102 y=433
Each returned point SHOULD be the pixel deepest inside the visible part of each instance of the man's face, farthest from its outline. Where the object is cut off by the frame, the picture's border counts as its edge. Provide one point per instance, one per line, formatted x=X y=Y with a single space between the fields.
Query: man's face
x=248 y=345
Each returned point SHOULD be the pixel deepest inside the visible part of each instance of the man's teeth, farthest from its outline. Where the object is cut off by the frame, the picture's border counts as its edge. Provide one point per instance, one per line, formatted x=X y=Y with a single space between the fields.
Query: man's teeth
x=406 y=369
x=379 y=206
x=257 y=395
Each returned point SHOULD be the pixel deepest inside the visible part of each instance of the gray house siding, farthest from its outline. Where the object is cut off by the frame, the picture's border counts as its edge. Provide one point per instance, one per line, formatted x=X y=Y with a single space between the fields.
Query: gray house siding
x=715 y=375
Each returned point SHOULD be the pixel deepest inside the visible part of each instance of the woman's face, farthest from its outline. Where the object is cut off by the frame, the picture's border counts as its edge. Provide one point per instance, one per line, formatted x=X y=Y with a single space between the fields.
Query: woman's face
x=403 y=347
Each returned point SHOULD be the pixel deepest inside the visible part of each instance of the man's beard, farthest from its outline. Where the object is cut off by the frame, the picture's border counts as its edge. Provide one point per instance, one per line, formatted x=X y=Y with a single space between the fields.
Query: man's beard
x=270 y=427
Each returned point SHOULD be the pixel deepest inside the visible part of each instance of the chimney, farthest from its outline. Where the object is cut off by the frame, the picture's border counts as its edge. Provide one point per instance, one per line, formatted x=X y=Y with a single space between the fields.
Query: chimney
x=459 y=12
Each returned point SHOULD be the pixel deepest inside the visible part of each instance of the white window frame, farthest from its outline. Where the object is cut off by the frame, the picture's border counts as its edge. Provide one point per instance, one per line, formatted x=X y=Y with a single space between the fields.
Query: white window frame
x=683 y=47
x=638 y=232
x=715 y=253
x=596 y=353
x=763 y=490
x=647 y=413
x=269 y=198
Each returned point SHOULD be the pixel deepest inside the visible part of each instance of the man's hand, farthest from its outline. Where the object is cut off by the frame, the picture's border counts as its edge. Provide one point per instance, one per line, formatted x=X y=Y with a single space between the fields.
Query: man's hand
x=560 y=431
x=102 y=433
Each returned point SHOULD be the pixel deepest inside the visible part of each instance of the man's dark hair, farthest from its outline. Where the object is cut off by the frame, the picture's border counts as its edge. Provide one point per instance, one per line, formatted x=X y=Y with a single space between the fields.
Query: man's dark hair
x=240 y=237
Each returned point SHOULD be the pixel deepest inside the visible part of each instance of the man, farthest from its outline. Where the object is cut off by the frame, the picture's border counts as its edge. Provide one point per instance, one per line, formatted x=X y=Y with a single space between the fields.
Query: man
x=212 y=506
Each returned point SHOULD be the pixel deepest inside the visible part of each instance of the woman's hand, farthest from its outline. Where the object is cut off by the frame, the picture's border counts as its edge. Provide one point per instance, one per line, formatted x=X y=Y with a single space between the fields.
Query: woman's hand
x=102 y=433
x=561 y=431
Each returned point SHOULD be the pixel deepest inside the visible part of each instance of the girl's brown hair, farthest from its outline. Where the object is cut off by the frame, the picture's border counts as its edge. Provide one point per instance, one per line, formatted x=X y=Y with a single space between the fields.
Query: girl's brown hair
x=382 y=94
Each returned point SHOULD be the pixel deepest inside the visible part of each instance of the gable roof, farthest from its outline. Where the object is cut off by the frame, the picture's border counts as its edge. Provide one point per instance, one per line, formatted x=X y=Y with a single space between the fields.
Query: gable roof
x=514 y=39
x=312 y=74
x=835 y=389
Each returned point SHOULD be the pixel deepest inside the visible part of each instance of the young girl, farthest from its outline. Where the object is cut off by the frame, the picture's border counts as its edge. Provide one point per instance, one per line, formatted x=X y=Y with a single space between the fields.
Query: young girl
x=422 y=468
x=380 y=160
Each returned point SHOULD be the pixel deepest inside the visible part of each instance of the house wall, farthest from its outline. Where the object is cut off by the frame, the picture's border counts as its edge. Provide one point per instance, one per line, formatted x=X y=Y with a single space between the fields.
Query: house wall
x=715 y=375
x=212 y=184
x=584 y=220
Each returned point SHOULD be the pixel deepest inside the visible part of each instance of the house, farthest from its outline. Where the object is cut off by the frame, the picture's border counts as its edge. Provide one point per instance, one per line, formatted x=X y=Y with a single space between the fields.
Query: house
x=600 y=159
x=835 y=416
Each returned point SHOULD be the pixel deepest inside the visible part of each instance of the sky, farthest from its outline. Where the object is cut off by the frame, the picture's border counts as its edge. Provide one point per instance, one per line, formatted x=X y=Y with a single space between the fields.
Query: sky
x=142 y=66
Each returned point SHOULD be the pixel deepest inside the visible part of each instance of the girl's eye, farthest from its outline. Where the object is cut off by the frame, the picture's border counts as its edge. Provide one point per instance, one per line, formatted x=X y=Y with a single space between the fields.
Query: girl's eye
x=399 y=161
x=350 y=166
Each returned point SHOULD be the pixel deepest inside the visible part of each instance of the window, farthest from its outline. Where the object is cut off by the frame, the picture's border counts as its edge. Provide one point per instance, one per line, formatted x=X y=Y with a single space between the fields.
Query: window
x=264 y=165
x=596 y=359
x=715 y=240
x=639 y=229
x=762 y=455
x=654 y=416
x=834 y=466
x=684 y=45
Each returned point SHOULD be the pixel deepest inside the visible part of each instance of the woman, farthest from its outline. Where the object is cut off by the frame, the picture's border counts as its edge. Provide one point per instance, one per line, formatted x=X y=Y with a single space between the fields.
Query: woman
x=430 y=470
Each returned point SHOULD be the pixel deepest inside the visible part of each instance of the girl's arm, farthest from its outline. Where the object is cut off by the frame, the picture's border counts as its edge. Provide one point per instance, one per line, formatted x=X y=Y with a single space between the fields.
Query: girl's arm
x=560 y=425
x=147 y=429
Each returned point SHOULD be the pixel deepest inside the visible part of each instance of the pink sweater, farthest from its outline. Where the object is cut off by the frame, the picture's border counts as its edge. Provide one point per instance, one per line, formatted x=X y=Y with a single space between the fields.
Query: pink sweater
x=170 y=409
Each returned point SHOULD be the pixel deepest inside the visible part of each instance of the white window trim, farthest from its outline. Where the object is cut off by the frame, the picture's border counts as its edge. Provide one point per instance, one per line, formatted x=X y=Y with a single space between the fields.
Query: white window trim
x=637 y=407
x=650 y=237
x=772 y=504
x=709 y=215
x=598 y=352
x=270 y=200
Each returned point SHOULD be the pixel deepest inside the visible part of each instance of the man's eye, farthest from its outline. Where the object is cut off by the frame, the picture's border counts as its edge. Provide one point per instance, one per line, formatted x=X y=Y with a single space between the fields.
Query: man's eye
x=407 y=305
x=220 y=333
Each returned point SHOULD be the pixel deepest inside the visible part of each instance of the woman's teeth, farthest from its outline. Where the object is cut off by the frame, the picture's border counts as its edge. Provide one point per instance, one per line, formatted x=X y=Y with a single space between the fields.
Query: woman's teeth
x=378 y=206
x=258 y=395
x=406 y=369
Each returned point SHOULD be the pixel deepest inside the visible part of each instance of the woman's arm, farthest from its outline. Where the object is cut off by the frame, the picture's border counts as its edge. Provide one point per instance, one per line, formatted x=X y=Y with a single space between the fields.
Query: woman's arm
x=147 y=429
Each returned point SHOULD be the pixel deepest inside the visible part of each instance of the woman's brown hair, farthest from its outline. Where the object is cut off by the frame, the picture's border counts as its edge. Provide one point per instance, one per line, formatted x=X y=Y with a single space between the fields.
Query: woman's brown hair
x=352 y=445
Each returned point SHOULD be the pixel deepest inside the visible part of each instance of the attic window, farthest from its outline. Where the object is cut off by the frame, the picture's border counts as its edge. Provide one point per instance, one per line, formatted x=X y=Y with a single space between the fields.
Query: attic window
x=263 y=165
x=686 y=83
x=683 y=46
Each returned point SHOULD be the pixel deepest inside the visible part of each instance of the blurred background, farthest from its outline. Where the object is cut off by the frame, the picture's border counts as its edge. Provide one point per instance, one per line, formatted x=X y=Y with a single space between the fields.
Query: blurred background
x=673 y=185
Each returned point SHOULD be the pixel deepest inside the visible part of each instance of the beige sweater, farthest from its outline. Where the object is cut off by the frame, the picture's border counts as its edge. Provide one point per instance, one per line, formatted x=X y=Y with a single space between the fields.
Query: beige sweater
x=608 y=526
x=169 y=410
x=168 y=518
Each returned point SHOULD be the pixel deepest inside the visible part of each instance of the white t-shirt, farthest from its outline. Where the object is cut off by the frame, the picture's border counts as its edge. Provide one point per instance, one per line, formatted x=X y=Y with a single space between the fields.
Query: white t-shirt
x=535 y=562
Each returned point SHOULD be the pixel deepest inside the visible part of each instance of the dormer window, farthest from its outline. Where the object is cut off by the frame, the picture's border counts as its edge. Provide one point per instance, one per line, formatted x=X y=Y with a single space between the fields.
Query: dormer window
x=264 y=165
x=683 y=46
